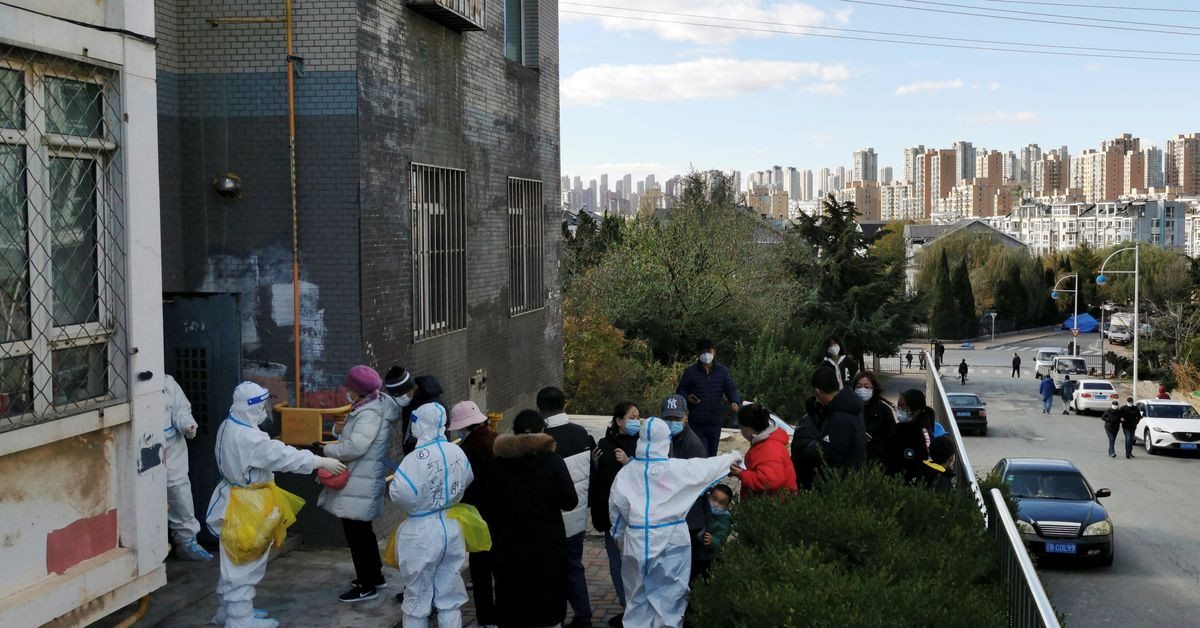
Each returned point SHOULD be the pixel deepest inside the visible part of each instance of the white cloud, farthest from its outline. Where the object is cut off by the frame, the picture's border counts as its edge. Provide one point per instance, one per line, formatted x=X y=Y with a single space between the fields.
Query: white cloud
x=796 y=15
x=703 y=79
x=1093 y=66
x=1001 y=117
x=928 y=86
x=994 y=86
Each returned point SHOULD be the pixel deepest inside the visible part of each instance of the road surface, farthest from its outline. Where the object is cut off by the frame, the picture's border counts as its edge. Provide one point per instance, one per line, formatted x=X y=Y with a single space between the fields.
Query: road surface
x=1155 y=507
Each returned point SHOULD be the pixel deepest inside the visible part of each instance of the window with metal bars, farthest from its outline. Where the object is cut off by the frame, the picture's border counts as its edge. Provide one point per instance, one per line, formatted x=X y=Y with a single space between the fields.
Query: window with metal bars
x=439 y=242
x=526 y=246
x=62 y=292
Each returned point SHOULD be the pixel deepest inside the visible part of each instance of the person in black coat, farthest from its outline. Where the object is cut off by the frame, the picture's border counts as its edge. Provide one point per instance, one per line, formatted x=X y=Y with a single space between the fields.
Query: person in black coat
x=835 y=357
x=612 y=453
x=842 y=440
x=528 y=489
x=806 y=450
x=428 y=390
x=1130 y=417
x=471 y=425
x=878 y=416
x=1112 y=426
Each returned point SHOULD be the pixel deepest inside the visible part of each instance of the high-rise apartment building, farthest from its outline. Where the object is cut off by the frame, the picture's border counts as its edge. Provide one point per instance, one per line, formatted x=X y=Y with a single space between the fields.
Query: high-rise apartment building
x=1012 y=167
x=735 y=180
x=866 y=165
x=806 y=185
x=914 y=157
x=1030 y=155
x=1154 y=167
x=791 y=178
x=1183 y=163
x=964 y=161
x=823 y=182
x=940 y=172
x=628 y=179
x=777 y=178
x=989 y=168
x=1133 y=178
x=839 y=181
x=1052 y=176
x=885 y=175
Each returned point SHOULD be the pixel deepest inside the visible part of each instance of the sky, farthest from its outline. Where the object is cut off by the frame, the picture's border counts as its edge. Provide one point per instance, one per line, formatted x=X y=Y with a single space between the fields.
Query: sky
x=648 y=96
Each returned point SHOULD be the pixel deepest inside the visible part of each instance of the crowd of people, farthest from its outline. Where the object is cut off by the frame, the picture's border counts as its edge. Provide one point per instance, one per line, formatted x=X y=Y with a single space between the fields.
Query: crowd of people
x=513 y=509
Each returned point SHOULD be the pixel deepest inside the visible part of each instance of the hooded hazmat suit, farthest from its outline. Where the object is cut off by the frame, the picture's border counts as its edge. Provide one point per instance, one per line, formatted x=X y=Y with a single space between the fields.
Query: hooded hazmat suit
x=430 y=547
x=181 y=513
x=649 y=502
x=246 y=455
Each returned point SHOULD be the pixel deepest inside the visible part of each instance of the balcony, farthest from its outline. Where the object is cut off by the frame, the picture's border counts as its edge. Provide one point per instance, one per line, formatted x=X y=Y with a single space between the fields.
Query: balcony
x=460 y=15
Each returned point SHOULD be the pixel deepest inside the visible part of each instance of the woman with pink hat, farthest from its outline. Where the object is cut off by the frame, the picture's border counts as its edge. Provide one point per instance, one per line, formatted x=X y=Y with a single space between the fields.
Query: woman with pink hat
x=363 y=445
x=471 y=425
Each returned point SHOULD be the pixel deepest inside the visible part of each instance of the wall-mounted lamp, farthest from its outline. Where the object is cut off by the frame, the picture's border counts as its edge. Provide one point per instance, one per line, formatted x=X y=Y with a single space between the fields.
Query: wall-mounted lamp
x=228 y=185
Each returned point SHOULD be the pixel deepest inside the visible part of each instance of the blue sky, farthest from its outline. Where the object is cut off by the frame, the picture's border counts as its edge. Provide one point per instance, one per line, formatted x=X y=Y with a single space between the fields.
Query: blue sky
x=652 y=97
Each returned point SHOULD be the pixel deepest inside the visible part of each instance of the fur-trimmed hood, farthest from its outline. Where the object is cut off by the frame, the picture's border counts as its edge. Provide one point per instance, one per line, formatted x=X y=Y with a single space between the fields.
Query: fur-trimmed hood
x=522 y=445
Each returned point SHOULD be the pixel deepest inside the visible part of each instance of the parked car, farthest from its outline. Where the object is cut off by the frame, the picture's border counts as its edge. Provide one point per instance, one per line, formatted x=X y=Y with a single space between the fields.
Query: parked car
x=1058 y=513
x=970 y=412
x=1168 y=425
x=1119 y=335
x=1044 y=361
x=1093 y=395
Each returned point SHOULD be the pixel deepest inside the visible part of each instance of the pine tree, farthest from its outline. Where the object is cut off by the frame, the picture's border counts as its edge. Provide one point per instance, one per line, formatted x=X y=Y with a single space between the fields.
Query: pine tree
x=964 y=296
x=943 y=313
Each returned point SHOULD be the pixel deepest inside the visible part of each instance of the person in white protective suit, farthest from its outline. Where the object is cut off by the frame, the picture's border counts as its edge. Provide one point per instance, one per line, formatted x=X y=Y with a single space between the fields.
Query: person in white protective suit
x=247 y=455
x=648 y=506
x=430 y=550
x=181 y=513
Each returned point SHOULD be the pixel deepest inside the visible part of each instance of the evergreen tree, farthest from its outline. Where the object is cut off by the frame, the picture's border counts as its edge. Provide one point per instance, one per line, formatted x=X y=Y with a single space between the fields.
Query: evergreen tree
x=943 y=313
x=968 y=321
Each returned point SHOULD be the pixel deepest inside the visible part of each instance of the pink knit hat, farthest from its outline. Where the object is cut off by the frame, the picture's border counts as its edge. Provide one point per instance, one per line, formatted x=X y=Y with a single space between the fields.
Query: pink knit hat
x=362 y=380
x=465 y=413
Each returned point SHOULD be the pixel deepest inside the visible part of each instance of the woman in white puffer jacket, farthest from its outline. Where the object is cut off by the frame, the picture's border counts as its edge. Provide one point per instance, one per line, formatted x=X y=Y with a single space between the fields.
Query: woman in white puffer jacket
x=363 y=445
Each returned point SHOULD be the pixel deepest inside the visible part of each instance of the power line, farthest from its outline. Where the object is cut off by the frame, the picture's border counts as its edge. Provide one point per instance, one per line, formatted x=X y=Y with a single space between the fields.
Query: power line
x=881 y=40
x=1020 y=19
x=885 y=33
x=1101 y=7
x=1069 y=17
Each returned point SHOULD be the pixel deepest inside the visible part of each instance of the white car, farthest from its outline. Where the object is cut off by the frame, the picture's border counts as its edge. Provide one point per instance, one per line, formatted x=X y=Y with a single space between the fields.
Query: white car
x=1044 y=362
x=1093 y=395
x=1168 y=424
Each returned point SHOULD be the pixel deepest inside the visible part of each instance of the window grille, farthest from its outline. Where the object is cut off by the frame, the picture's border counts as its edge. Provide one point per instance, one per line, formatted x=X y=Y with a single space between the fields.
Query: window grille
x=526 y=246
x=62 y=261
x=439 y=240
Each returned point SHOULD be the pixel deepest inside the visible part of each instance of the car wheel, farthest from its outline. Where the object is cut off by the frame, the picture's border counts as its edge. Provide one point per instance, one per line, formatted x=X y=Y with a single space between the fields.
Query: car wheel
x=983 y=431
x=1150 y=449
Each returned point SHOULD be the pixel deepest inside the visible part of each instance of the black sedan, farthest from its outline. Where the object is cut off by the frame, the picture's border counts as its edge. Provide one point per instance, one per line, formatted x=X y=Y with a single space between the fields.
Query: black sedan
x=970 y=412
x=1058 y=512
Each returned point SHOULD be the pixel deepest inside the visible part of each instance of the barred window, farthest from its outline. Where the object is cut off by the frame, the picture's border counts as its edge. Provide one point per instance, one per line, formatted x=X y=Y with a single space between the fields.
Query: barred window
x=439 y=241
x=61 y=260
x=526 y=246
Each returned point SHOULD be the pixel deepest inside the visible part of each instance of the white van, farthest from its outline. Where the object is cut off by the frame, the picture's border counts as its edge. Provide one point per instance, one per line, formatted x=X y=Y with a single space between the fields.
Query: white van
x=1044 y=362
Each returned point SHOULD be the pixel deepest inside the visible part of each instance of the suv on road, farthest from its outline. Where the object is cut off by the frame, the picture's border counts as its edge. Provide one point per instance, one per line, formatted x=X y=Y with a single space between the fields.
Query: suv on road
x=1168 y=424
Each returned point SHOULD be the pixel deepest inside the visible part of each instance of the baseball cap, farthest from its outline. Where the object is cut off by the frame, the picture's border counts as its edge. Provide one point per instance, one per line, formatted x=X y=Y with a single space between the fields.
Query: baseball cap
x=674 y=407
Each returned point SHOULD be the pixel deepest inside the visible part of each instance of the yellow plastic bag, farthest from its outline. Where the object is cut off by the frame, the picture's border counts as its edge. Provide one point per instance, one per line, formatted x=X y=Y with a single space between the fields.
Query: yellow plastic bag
x=389 y=554
x=474 y=528
x=256 y=518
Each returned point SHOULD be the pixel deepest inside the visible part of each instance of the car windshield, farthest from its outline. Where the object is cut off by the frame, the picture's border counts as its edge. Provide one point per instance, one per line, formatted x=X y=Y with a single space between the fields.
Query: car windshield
x=1046 y=356
x=1166 y=411
x=1048 y=484
x=1097 y=386
x=964 y=401
x=1071 y=366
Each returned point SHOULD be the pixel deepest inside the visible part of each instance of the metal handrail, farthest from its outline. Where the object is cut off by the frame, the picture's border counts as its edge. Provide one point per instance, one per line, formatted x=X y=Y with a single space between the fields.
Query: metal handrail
x=940 y=404
x=1028 y=604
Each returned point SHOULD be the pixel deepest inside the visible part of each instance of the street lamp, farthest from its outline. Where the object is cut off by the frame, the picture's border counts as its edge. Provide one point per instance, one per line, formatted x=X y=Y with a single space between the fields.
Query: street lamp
x=1102 y=279
x=1075 y=319
x=1104 y=309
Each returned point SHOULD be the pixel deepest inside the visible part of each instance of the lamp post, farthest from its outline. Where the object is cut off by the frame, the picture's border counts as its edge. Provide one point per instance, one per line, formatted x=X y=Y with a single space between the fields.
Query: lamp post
x=1102 y=279
x=1104 y=309
x=1075 y=319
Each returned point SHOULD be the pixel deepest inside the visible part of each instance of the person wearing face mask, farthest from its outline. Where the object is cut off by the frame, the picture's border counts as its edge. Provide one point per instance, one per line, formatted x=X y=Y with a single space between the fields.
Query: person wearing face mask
x=719 y=525
x=248 y=459
x=613 y=452
x=363 y=445
x=400 y=388
x=705 y=383
x=838 y=414
x=768 y=468
x=684 y=445
x=1112 y=426
x=878 y=415
x=916 y=428
x=833 y=356
x=426 y=389
x=476 y=439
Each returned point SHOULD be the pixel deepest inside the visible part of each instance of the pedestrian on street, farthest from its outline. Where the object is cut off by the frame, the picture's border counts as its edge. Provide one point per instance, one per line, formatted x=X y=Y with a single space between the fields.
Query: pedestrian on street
x=362 y=444
x=962 y=371
x=1067 y=393
x=833 y=356
x=1046 y=388
x=879 y=417
x=1016 y=363
x=528 y=489
x=1130 y=416
x=908 y=358
x=921 y=357
x=615 y=451
x=477 y=439
x=940 y=350
x=704 y=383
x=916 y=428
x=767 y=469
x=575 y=445
x=1112 y=425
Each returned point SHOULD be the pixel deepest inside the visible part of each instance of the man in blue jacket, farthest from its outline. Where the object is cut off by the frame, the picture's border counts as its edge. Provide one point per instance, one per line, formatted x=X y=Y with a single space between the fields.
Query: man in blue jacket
x=1047 y=389
x=704 y=384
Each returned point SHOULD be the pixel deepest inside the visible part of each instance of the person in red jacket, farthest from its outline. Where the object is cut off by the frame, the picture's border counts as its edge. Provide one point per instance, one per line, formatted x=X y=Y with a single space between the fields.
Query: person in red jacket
x=768 y=466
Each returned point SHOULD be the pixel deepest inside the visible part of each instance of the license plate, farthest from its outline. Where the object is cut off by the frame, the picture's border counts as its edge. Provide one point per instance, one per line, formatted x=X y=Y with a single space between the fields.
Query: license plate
x=1060 y=548
x=1187 y=445
x=962 y=413
x=1101 y=397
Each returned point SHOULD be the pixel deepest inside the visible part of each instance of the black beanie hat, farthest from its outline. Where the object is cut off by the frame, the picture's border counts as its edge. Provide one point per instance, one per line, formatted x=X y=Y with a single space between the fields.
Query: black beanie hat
x=398 y=381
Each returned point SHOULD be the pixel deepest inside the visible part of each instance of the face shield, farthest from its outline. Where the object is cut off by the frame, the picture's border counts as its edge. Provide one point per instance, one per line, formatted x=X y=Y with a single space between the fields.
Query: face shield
x=250 y=404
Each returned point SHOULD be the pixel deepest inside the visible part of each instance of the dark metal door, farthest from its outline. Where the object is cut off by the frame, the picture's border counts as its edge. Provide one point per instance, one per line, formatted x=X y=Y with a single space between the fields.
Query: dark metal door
x=203 y=350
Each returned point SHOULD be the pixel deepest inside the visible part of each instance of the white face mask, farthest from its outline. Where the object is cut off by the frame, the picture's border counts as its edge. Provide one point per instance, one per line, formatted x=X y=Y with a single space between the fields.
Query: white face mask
x=864 y=393
x=706 y=358
x=350 y=398
x=902 y=415
x=835 y=350
x=405 y=400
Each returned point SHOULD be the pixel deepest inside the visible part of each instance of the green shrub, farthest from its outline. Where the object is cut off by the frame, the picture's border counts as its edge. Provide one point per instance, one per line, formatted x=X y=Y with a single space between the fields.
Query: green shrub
x=864 y=551
x=772 y=374
x=1120 y=363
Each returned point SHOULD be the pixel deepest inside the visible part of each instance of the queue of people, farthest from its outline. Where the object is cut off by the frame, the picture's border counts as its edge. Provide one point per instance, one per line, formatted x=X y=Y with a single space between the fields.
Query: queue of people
x=651 y=486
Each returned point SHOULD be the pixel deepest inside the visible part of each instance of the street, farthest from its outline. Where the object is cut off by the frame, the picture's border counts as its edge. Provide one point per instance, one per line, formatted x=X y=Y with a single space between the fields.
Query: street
x=1157 y=569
